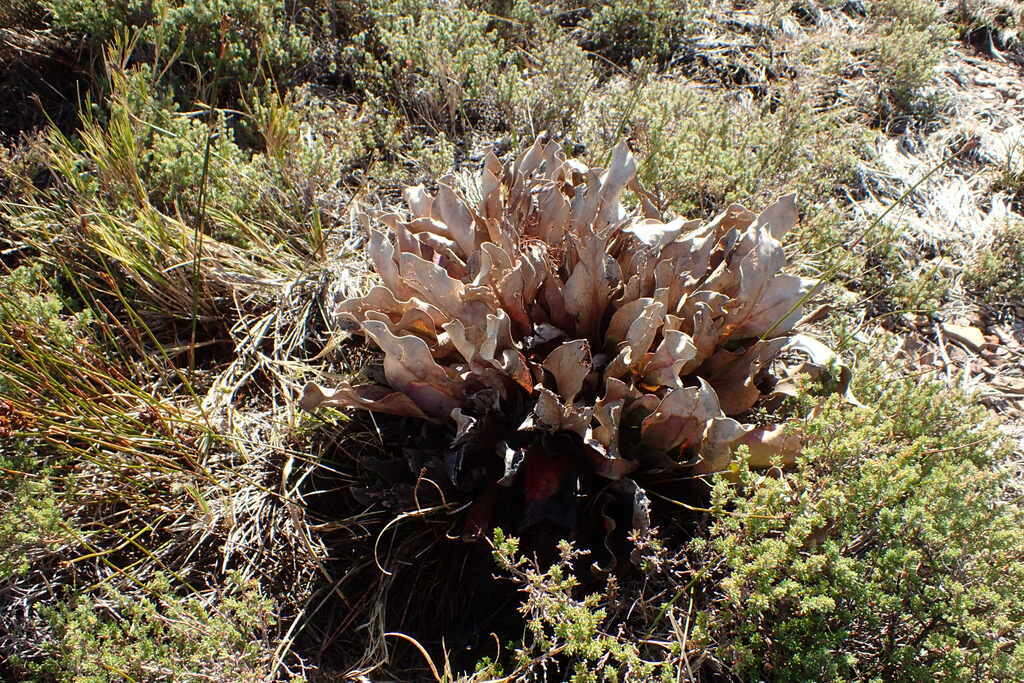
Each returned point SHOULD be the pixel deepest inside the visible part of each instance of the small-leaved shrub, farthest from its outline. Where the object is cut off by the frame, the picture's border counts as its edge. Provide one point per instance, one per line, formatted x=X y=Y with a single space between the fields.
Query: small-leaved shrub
x=30 y=520
x=217 y=43
x=704 y=148
x=143 y=186
x=462 y=68
x=445 y=66
x=623 y=31
x=997 y=271
x=161 y=636
x=892 y=551
x=30 y=307
x=888 y=553
x=559 y=620
x=909 y=39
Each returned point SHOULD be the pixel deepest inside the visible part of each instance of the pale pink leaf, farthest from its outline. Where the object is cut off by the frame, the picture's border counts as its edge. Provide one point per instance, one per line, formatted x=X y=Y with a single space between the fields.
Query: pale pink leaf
x=433 y=283
x=368 y=397
x=720 y=438
x=732 y=374
x=779 y=217
x=382 y=254
x=621 y=320
x=665 y=365
x=410 y=368
x=570 y=364
x=644 y=329
x=418 y=200
x=620 y=173
x=451 y=210
x=770 y=443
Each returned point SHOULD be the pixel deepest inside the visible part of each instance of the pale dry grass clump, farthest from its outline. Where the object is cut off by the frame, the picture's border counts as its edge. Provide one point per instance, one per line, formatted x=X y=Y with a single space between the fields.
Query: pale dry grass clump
x=128 y=483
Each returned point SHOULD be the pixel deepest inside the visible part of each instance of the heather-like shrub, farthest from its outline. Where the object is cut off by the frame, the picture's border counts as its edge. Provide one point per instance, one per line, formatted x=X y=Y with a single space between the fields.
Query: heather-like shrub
x=652 y=30
x=161 y=635
x=997 y=270
x=703 y=149
x=446 y=66
x=892 y=551
x=233 y=41
x=889 y=553
x=910 y=40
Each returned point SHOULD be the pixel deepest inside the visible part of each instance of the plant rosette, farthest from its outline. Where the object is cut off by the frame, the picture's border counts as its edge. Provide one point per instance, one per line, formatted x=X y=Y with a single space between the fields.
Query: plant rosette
x=574 y=349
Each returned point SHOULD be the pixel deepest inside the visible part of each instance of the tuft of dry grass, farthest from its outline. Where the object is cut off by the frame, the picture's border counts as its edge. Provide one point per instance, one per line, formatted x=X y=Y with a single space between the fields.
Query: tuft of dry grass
x=146 y=480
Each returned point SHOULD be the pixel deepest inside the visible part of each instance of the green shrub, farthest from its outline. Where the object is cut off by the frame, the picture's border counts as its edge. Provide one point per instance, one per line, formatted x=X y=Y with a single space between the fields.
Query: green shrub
x=30 y=308
x=997 y=271
x=161 y=636
x=892 y=551
x=139 y=148
x=909 y=38
x=457 y=69
x=444 y=65
x=30 y=300
x=30 y=522
x=623 y=31
x=234 y=41
x=94 y=464
x=877 y=267
x=558 y=79
x=888 y=554
x=169 y=149
x=559 y=620
x=703 y=148
x=892 y=280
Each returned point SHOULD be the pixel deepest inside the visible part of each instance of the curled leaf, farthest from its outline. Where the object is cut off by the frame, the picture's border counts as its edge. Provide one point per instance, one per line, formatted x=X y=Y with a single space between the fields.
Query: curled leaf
x=771 y=443
x=733 y=374
x=666 y=364
x=410 y=368
x=570 y=365
x=779 y=217
x=368 y=397
x=680 y=419
x=824 y=360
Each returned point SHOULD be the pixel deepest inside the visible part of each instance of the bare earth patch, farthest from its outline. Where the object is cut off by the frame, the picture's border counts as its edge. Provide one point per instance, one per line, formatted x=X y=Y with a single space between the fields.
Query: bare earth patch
x=952 y=216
